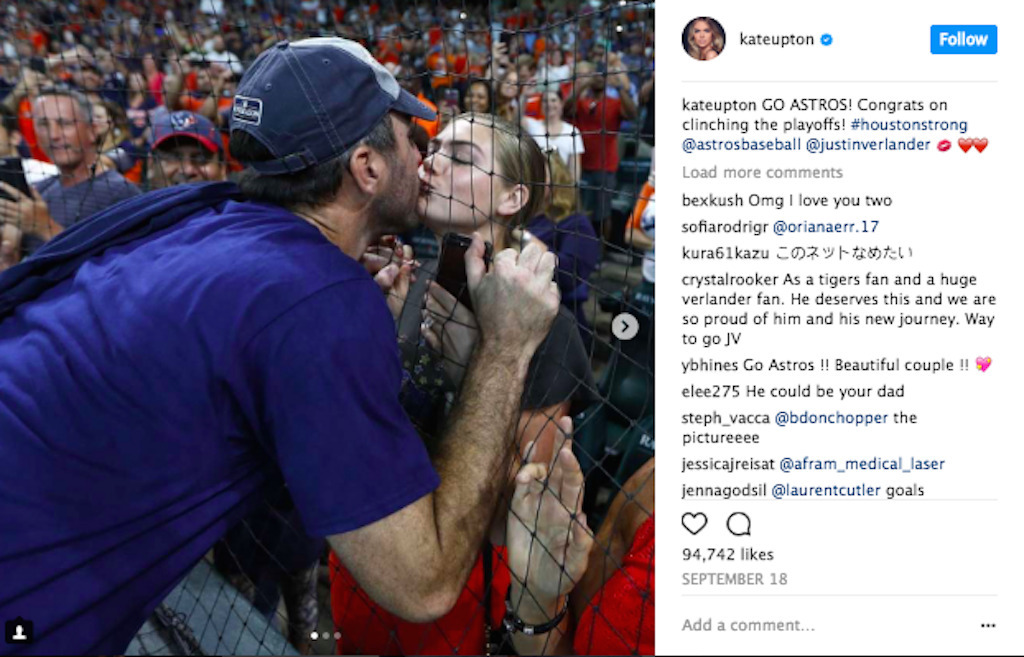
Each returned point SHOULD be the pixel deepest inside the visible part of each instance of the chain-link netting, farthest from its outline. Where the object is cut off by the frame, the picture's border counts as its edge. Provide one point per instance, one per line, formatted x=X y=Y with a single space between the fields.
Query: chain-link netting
x=544 y=135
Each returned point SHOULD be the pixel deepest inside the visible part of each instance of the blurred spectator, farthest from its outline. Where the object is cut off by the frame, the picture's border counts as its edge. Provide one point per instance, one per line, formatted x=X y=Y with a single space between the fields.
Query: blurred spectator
x=599 y=118
x=113 y=140
x=213 y=93
x=19 y=102
x=63 y=120
x=413 y=83
x=552 y=133
x=640 y=228
x=141 y=104
x=647 y=104
x=554 y=69
x=154 y=77
x=187 y=148
x=479 y=98
x=506 y=105
x=217 y=53
x=114 y=87
x=569 y=234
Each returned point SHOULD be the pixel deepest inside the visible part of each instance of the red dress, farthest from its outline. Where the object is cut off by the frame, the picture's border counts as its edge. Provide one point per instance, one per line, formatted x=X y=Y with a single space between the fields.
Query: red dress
x=367 y=629
x=619 y=619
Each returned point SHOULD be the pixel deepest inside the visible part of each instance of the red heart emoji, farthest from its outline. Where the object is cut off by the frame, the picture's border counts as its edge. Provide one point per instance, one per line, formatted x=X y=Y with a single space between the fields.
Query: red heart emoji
x=965 y=144
x=981 y=144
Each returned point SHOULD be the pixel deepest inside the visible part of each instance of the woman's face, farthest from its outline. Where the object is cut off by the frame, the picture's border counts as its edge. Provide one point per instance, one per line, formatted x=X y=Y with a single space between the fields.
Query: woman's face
x=552 y=105
x=510 y=86
x=476 y=98
x=100 y=119
x=457 y=188
x=702 y=34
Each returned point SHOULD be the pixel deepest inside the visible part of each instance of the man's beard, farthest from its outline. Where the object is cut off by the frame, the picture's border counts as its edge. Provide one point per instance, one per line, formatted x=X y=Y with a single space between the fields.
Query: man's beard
x=394 y=211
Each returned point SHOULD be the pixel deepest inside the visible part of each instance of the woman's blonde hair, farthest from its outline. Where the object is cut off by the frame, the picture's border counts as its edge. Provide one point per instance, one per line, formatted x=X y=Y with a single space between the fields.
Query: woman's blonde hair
x=518 y=161
x=564 y=196
x=717 y=36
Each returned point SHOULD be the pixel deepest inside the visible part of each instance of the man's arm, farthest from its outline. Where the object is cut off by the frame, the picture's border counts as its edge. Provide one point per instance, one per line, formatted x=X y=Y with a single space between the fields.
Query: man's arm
x=627 y=107
x=416 y=561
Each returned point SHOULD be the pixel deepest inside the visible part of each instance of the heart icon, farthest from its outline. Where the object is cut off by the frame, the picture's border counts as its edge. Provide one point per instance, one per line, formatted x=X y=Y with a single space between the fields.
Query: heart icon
x=983 y=364
x=965 y=144
x=695 y=522
x=981 y=144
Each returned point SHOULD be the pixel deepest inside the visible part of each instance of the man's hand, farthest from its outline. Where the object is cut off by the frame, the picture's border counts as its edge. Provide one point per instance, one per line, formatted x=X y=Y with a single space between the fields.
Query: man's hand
x=451 y=329
x=548 y=540
x=29 y=213
x=10 y=246
x=220 y=75
x=517 y=300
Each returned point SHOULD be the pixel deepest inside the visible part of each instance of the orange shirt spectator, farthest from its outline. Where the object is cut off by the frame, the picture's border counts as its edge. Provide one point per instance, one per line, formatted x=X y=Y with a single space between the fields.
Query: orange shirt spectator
x=431 y=127
x=28 y=130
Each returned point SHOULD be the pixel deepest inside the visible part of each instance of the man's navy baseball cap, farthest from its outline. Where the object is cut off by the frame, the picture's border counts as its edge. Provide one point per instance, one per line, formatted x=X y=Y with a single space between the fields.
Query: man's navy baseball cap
x=189 y=125
x=310 y=101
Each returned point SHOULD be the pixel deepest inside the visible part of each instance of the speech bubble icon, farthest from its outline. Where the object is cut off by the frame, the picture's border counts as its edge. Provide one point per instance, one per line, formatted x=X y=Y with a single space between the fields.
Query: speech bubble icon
x=738 y=524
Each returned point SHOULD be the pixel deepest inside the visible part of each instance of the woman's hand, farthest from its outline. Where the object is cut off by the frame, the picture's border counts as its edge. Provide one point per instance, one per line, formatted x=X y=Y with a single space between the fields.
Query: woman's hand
x=547 y=536
x=451 y=329
x=392 y=265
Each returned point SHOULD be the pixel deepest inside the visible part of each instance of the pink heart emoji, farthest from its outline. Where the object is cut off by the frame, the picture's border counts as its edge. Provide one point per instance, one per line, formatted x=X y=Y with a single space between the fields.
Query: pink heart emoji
x=983 y=363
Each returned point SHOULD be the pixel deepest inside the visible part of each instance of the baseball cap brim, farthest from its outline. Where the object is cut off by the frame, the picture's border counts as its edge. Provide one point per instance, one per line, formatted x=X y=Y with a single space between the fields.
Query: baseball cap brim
x=408 y=104
x=209 y=145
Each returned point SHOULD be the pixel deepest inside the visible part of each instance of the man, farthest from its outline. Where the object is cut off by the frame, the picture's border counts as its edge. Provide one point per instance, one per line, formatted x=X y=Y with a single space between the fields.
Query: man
x=599 y=118
x=168 y=360
x=214 y=89
x=64 y=127
x=186 y=149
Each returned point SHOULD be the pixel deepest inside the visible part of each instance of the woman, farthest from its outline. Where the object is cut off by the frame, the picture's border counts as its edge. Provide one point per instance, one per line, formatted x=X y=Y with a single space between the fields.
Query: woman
x=569 y=234
x=479 y=175
x=704 y=39
x=478 y=97
x=113 y=141
x=140 y=104
x=554 y=133
x=506 y=105
x=609 y=580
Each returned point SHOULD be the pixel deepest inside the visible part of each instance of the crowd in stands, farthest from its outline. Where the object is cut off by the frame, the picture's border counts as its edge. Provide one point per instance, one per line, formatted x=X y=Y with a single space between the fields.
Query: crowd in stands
x=102 y=100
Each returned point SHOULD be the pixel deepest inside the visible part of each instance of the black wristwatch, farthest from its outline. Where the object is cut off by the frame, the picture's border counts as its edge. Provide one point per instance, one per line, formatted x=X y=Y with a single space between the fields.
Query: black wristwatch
x=514 y=624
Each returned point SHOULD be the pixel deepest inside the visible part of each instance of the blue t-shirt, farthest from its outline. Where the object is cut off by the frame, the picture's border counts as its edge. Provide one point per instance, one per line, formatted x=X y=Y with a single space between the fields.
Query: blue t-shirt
x=146 y=401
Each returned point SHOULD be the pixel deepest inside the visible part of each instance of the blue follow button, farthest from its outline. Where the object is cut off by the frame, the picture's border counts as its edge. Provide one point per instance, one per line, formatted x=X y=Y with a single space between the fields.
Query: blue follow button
x=965 y=39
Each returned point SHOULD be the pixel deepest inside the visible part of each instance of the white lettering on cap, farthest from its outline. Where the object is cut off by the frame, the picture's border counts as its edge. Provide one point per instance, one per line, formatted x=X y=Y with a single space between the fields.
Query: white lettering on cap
x=247 y=110
x=385 y=80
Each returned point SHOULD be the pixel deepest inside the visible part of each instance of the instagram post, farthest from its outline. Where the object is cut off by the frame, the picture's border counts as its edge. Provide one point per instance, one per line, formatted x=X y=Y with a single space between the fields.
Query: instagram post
x=838 y=290
x=327 y=327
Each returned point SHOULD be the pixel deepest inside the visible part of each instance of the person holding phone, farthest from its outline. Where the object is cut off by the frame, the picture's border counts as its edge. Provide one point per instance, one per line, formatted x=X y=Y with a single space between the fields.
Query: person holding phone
x=480 y=175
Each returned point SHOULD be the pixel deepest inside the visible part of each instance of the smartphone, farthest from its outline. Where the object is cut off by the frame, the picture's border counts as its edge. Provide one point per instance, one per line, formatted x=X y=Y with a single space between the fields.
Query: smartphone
x=451 y=268
x=12 y=173
x=451 y=100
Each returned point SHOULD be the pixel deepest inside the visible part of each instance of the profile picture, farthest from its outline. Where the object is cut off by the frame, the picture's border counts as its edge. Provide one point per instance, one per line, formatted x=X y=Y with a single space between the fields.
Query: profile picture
x=704 y=38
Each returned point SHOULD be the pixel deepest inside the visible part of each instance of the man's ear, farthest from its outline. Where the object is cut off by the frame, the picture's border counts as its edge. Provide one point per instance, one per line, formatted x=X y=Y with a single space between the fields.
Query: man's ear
x=367 y=167
x=513 y=200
